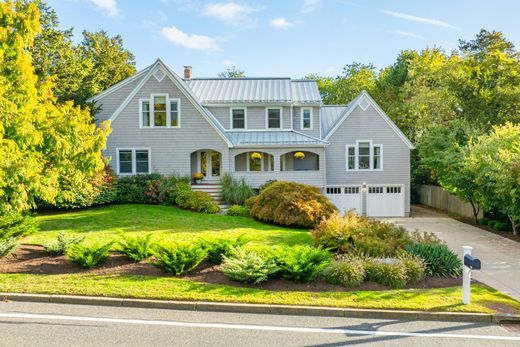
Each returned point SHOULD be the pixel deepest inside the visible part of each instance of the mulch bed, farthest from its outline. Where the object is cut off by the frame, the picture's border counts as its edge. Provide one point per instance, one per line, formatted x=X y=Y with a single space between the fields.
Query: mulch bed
x=31 y=259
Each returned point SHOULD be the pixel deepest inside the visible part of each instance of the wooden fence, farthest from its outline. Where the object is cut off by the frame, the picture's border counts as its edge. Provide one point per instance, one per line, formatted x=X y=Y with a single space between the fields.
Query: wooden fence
x=439 y=198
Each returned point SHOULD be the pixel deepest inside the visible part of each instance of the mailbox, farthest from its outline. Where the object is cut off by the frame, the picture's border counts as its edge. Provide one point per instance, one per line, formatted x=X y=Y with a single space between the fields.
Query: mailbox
x=472 y=262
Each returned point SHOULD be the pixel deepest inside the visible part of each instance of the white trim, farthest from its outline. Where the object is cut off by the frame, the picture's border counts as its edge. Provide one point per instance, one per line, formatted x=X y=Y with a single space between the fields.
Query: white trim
x=141 y=100
x=385 y=185
x=119 y=85
x=134 y=158
x=231 y=109
x=311 y=117
x=267 y=118
x=356 y=156
x=379 y=111
x=152 y=109
x=181 y=85
x=179 y=113
x=157 y=78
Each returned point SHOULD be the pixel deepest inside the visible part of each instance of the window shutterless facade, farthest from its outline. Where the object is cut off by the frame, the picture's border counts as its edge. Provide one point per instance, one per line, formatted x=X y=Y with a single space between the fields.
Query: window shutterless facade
x=238 y=118
x=364 y=156
x=132 y=161
x=159 y=111
x=306 y=118
x=274 y=118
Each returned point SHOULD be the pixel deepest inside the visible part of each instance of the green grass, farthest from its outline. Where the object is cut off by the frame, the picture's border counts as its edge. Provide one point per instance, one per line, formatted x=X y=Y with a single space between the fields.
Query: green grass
x=102 y=224
x=444 y=299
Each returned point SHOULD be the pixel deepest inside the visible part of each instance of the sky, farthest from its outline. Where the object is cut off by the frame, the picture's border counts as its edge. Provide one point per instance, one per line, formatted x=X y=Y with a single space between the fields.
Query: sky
x=285 y=38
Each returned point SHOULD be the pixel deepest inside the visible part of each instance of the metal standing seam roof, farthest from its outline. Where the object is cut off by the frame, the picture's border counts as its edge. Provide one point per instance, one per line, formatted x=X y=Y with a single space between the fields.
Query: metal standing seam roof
x=248 y=138
x=228 y=90
x=330 y=115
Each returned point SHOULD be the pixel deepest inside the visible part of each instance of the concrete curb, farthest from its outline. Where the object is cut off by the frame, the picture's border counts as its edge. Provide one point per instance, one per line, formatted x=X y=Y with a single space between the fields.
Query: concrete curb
x=264 y=309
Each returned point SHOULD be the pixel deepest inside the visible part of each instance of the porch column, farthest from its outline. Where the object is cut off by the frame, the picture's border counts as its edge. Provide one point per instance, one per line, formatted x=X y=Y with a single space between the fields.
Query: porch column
x=276 y=162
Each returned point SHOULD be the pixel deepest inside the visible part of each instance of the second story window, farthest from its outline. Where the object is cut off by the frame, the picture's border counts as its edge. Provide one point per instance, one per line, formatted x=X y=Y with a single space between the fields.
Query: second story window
x=306 y=118
x=238 y=118
x=364 y=156
x=274 y=118
x=159 y=111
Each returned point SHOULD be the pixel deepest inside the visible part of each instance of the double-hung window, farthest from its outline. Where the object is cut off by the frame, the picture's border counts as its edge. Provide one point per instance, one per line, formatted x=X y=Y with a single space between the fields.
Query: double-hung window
x=238 y=118
x=274 y=118
x=306 y=116
x=159 y=111
x=364 y=156
x=133 y=161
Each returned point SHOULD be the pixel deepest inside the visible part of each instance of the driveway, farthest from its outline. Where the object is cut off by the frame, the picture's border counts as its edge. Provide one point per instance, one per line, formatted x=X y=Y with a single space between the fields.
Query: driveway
x=500 y=256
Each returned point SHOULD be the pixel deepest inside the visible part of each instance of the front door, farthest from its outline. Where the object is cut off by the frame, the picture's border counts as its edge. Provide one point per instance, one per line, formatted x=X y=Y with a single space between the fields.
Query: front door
x=209 y=164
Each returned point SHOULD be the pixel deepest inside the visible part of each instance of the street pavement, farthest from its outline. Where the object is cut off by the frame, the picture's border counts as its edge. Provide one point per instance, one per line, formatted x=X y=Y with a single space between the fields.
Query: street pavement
x=500 y=256
x=46 y=324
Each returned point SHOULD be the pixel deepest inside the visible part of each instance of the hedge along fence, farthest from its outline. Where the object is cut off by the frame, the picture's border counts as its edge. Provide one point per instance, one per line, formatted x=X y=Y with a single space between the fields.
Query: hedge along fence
x=439 y=198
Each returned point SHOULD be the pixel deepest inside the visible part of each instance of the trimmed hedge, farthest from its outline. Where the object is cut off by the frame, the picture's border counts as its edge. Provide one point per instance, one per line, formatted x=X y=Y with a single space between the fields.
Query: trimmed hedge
x=290 y=204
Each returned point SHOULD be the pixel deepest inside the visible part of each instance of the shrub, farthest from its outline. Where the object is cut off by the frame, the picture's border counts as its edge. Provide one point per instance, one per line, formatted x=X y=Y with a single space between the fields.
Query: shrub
x=167 y=188
x=440 y=260
x=179 y=259
x=136 y=248
x=7 y=246
x=424 y=237
x=484 y=221
x=201 y=202
x=88 y=256
x=348 y=272
x=235 y=191
x=501 y=226
x=181 y=193
x=266 y=184
x=291 y=204
x=237 y=210
x=219 y=247
x=388 y=272
x=248 y=267
x=17 y=225
x=62 y=244
x=301 y=263
x=359 y=235
x=415 y=268
x=134 y=189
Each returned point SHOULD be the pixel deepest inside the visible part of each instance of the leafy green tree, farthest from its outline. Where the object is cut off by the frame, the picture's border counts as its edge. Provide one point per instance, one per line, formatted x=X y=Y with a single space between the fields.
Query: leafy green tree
x=232 y=72
x=48 y=150
x=443 y=151
x=494 y=159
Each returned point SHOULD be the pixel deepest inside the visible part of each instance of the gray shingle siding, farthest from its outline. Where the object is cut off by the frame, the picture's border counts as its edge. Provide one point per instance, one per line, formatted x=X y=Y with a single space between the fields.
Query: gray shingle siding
x=170 y=147
x=111 y=102
x=315 y=121
x=368 y=125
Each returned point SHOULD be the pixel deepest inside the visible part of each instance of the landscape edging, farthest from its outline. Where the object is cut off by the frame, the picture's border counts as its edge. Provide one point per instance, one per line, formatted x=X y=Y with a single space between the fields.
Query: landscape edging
x=264 y=308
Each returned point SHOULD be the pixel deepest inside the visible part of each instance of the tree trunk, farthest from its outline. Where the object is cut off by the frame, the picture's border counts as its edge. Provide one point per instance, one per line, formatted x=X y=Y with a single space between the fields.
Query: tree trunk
x=514 y=224
x=476 y=210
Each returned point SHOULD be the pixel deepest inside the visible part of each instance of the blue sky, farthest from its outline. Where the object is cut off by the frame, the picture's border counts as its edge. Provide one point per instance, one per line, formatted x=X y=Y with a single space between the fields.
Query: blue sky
x=286 y=37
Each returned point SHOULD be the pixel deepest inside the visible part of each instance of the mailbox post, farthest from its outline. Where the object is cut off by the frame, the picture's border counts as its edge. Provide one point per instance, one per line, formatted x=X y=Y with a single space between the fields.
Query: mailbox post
x=470 y=263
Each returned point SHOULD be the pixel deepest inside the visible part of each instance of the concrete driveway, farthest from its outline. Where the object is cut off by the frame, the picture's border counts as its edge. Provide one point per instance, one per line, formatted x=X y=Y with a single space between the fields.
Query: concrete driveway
x=500 y=256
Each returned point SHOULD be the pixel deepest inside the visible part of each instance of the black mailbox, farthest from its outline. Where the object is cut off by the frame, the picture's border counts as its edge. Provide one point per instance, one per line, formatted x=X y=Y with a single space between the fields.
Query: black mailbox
x=472 y=262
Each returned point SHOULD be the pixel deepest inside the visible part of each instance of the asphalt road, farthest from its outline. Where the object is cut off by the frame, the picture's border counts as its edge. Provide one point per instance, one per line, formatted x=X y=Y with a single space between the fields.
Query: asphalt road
x=37 y=324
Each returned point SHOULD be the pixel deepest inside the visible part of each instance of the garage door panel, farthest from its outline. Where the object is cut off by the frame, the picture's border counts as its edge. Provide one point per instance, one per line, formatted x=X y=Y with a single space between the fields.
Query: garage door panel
x=385 y=201
x=345 y=198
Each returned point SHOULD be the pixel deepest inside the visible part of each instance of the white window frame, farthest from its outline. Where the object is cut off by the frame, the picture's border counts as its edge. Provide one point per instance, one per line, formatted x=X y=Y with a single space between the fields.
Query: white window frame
x=152 y=112
x=356 y=154
x=134 y=160
x=267 y=118
x=231 y=118
x=248 y=169
x=301 y=118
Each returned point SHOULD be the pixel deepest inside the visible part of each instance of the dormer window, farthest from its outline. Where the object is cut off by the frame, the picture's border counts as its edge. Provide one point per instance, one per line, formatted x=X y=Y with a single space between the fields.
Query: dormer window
x=306 y=117
x=274 y=118
x=159 y=111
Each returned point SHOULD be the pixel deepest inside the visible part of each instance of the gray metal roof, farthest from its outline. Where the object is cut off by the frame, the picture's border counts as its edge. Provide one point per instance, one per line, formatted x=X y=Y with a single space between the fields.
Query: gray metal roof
x=330 y=115
x=253 y=90
x=270 y=138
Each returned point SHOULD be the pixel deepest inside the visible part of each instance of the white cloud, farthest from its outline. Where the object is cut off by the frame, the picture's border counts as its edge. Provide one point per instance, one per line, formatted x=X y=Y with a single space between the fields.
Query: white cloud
x=229 y=63
x=108 y=7
x=231 y=12
x=281 y=22
x=331 y=69
x=310 y=5
x=193 y=41
x=408 y=34
x=422 y=20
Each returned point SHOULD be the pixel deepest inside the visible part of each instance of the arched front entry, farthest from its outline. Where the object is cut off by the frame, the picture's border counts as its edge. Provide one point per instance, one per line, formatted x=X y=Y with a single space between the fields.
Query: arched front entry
x=208 y=162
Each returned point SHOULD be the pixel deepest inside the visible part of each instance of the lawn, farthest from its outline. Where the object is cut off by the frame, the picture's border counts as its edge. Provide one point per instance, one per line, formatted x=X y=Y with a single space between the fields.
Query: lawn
x=441 y=299
x=167 y=224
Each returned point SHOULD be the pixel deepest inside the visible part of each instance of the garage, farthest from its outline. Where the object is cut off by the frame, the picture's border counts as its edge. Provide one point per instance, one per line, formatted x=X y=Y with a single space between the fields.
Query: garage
x=345 y=198
x=385 y=201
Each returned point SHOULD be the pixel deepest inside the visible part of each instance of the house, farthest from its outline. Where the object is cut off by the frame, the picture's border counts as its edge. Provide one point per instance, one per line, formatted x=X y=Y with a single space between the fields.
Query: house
x=258 y=128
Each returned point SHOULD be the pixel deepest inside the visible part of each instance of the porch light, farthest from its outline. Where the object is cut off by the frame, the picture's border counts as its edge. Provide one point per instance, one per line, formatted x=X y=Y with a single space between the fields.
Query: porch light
x=299 y=155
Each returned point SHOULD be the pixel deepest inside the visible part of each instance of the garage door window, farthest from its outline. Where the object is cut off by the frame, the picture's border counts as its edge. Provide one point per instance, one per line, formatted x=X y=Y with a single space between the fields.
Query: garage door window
x=375 y=190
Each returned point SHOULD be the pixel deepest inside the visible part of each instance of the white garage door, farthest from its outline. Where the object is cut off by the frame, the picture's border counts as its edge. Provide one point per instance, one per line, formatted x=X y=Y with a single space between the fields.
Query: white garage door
x=385 y=201
x=345 y=198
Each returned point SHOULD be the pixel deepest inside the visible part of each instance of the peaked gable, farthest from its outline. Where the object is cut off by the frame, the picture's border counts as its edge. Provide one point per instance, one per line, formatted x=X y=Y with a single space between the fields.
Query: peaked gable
x=364 y=100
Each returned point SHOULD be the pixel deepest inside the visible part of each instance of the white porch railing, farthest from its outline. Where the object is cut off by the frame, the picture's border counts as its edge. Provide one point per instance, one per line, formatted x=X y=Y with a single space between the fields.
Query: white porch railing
x=257 y=178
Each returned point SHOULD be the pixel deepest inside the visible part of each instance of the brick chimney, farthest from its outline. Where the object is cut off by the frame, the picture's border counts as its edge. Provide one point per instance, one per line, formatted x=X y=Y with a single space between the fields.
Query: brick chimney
x=187 y=73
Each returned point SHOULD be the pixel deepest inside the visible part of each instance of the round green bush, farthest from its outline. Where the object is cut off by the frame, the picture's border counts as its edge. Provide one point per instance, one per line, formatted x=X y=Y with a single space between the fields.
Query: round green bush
x=237 y=210
x=348 y=272
x=291 y=204
x=301 y=263
x=501 y=226
x=248 y=267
